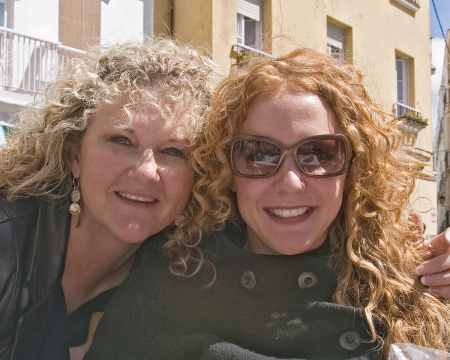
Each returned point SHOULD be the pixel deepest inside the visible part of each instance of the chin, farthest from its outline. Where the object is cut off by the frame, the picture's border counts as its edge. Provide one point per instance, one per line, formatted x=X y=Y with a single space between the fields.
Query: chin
x=297 y=248
x=134 y=236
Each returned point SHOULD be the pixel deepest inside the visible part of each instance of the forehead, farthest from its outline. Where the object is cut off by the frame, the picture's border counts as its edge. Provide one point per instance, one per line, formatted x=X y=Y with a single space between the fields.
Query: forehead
x=289 y=113
x=146 y=110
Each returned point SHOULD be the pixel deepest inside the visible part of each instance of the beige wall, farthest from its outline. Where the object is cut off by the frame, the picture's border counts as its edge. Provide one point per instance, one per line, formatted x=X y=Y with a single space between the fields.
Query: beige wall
x=377 y=30
x=425 y=205
x=224 y=30
x=208 y=24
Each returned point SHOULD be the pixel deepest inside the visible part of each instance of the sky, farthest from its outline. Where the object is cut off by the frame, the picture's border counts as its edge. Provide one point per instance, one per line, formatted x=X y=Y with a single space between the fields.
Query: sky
x=438 y=50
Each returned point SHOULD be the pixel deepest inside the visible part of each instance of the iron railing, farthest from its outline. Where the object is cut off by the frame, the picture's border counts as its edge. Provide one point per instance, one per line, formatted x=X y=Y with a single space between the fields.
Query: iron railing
x=412 y=119
x=27 y=62
x=412 y=5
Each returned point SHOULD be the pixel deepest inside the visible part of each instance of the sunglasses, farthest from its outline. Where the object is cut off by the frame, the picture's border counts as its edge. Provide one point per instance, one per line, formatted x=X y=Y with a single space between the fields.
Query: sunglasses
x=254 y=156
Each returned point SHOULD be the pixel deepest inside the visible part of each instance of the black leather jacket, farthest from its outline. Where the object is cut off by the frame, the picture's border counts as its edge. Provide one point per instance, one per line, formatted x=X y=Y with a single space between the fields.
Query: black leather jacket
x=33 y=241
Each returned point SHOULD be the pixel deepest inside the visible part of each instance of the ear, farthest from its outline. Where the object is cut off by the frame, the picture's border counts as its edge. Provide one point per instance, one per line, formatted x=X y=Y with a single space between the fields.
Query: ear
x=75 y=161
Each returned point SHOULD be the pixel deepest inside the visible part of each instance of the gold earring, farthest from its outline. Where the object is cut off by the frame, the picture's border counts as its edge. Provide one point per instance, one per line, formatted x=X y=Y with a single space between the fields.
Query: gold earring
x=179 y=220
x=74 y=208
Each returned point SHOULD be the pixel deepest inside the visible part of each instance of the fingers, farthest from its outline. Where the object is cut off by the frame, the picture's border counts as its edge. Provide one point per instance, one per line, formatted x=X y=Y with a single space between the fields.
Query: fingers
x=439 y=244
x=417 y=218
x=441 y=291
x=434 y=266
x=436 y=280
x=435 y=273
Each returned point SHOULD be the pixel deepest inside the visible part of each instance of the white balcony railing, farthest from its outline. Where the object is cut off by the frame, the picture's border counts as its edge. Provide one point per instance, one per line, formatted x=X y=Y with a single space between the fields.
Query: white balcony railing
x=401 y=109
x=27 y=62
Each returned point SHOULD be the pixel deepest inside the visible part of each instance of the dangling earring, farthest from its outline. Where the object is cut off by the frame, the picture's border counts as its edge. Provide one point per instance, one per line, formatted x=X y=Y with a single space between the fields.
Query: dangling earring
x=74 y=208
x=179 y=220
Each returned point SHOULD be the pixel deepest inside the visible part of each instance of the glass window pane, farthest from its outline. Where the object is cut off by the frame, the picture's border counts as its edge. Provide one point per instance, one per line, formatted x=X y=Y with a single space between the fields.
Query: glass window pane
x=402 y=80
x=2 y=14
x=400 y=92
x=399 y=70
x=250 y=32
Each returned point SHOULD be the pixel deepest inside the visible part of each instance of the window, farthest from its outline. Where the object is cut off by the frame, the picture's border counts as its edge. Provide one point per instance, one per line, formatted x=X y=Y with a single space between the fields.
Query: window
x=402 y=70
x=336 y=40
x=249 y=23
x=2 y=14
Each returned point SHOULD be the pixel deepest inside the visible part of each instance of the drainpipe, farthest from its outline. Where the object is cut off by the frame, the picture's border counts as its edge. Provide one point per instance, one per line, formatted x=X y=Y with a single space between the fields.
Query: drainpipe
x=172 y=16
x=149 y=16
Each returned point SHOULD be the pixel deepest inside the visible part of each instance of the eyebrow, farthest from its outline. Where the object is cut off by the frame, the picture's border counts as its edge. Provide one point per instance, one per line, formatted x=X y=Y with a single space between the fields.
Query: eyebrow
x=125 y=127
x=183 y=140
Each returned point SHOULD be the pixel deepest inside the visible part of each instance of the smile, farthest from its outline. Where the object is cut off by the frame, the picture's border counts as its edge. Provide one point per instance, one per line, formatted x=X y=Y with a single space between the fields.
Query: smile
x=285 y=213
x=136 y=198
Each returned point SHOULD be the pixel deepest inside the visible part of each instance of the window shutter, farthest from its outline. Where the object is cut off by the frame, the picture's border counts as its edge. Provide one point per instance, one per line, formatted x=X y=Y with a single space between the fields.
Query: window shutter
x=250 y=8
x=335 y=35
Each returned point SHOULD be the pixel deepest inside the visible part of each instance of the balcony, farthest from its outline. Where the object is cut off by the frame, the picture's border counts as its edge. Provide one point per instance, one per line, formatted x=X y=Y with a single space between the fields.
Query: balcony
x=27 y=63
x=412 y=5
x=412 y=119
x=243 y=54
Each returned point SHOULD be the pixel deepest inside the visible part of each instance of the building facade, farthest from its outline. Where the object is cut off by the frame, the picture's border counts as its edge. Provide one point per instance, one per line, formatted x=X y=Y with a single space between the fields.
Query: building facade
x=389 y=39
x=442 y=144
x=37 y=36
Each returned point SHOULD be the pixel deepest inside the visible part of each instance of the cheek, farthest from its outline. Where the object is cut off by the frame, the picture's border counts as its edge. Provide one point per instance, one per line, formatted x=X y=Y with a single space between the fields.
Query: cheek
x=182 y=180
x=101 y=169
x=249 y=191
x=333 y=191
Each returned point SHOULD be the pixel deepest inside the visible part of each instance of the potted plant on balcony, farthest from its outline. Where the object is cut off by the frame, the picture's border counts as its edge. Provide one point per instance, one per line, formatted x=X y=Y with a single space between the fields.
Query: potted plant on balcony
x=413 y=118
x=244 y=56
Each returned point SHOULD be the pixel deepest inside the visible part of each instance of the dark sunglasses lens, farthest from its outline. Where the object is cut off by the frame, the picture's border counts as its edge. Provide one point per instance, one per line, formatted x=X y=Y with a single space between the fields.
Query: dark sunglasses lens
x=255 y=158
x=322 y=157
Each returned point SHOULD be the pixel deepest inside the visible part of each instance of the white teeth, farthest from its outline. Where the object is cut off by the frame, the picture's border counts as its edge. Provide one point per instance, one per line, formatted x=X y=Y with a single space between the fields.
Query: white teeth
x=137 y=198
x=288 y=213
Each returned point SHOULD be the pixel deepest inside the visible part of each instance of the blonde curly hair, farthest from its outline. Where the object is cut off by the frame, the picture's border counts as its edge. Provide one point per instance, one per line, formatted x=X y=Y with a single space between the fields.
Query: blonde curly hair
x=36 y=163
x=375 y=243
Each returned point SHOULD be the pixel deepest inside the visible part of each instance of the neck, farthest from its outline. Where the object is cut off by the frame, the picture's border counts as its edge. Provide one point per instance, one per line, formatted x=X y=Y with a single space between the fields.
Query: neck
x=96 y=261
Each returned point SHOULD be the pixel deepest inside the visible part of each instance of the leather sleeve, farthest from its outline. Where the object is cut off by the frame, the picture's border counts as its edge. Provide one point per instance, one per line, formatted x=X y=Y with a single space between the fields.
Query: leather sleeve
x=8 y=263
x=15 y=220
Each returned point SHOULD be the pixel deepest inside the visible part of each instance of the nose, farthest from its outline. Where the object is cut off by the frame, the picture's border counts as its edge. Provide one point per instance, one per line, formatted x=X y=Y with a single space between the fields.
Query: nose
x=145 y=169
x=289 y=176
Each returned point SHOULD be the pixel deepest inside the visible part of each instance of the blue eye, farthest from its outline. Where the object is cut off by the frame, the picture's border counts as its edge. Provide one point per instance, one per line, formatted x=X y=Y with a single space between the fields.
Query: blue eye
x=174 y=152
x=121 y=140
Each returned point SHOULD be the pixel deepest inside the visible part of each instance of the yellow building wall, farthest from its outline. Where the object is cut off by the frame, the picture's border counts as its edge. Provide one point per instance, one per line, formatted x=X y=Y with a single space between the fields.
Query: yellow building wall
x=206 y=24
x=377 y=30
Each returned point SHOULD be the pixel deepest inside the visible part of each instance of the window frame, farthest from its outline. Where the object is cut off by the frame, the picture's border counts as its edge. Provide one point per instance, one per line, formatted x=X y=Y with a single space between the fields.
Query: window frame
x=243 y=17
x=336 y=46
x=404 y=79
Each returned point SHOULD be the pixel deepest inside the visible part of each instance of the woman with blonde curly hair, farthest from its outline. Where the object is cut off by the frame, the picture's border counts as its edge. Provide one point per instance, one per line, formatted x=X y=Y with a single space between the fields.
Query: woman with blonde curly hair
x=321 y=264
x=93 y=170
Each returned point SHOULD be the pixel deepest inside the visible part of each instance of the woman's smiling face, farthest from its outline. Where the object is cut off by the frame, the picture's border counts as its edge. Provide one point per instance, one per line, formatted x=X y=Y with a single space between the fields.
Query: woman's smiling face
x=288 y=213
x=134 y=175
